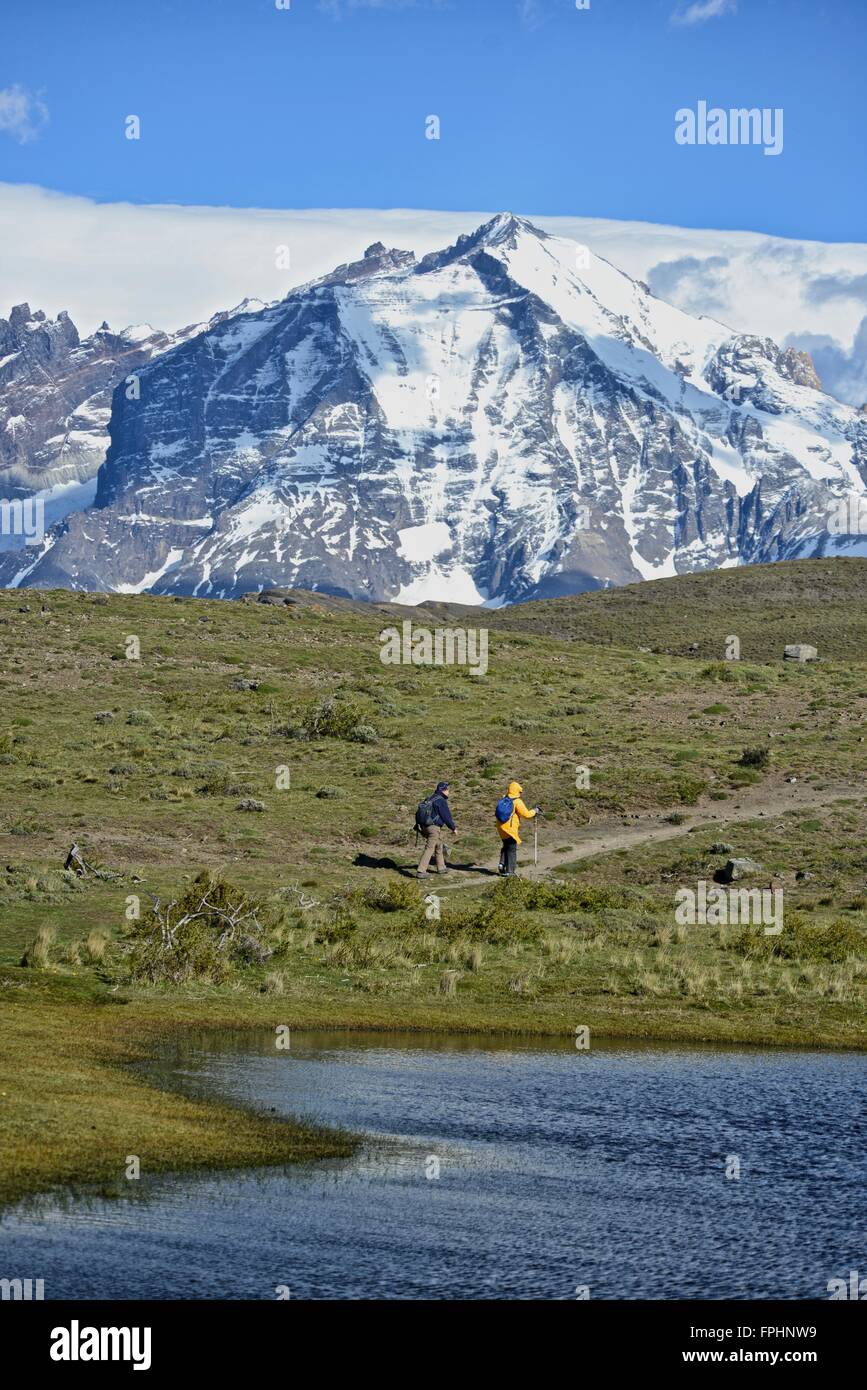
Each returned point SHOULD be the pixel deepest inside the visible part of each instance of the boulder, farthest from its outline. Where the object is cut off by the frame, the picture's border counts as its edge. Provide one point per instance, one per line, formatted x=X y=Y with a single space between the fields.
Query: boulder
x=281 y=596
x=737 y=868
x=800 y=651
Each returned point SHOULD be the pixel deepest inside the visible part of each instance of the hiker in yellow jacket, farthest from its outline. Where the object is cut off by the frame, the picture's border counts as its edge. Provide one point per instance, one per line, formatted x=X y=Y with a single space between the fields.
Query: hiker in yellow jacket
x=509 y=828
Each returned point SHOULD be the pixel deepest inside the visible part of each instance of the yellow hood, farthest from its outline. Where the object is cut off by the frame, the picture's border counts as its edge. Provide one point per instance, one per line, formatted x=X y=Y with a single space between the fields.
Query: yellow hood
x=515 y=789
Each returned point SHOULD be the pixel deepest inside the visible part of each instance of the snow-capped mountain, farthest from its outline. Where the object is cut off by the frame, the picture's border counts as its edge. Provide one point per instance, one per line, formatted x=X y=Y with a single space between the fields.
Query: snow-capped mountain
x=55 y=404
x=507 y=418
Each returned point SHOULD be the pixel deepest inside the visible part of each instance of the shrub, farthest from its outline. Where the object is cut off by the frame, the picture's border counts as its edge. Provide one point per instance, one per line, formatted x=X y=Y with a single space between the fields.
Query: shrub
x=25 y=826
x=223 y=784
x=755 y=757
x=393 y=896
x=559 y=895
x=292 y=730
x=363 y=733
x=341 y=926
x=493 y=922
x=140 y=716
x=332 y=718
x=203 y=934
x=689 y=789
x=801 y=941
x=719 y=671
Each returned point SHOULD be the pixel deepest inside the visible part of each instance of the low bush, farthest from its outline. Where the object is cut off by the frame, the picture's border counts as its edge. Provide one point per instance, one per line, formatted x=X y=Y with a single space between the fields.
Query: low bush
x=341 y=926
x=223 y=784
x=205 y=933
x=802 y=941
x=393 y=896
x=556 y=895
x=755 y=757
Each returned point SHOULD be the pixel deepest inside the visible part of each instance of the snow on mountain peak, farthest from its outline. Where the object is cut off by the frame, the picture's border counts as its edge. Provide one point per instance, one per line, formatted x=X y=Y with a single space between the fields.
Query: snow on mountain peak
x=508 y=417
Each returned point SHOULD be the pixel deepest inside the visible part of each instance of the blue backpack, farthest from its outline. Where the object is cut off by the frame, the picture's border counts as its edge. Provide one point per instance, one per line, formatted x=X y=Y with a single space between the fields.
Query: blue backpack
x=505 y=810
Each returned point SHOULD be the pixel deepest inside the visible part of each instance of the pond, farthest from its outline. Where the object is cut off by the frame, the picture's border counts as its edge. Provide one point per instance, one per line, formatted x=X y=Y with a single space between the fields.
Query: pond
x=490 y=1169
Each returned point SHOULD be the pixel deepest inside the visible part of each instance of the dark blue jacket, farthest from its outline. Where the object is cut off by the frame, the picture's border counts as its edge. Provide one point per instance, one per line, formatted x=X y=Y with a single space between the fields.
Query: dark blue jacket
x=441 y=813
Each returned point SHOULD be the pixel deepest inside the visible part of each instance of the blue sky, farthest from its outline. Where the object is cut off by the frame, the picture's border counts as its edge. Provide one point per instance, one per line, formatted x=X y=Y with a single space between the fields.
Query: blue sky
x=544 y=108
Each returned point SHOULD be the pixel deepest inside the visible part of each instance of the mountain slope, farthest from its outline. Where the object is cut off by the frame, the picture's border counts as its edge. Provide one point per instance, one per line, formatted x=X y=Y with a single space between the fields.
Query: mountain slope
x=55 y=403
x=506 y=419
x=822 y=601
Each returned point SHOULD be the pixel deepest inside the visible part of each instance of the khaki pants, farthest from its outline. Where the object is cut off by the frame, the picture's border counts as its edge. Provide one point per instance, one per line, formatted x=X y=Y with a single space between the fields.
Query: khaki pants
x=433 y=844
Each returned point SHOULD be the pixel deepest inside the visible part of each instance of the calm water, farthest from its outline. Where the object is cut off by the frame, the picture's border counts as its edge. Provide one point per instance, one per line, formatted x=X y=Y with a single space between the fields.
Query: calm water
x=557 y=1168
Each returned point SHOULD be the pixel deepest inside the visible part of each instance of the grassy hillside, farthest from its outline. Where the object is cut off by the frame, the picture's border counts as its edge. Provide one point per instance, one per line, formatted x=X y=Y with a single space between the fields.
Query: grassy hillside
x=823 y=602
x=268 y=744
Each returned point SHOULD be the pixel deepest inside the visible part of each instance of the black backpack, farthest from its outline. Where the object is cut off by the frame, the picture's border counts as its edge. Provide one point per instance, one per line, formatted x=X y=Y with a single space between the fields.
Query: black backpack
x=425 y=814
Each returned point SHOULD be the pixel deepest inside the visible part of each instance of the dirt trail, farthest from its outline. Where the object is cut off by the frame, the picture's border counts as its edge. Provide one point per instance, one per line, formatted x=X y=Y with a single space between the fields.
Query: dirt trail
x=607 y=836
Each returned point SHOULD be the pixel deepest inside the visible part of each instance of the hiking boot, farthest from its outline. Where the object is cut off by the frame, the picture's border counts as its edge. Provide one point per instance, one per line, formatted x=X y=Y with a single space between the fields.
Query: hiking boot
x=423 y=875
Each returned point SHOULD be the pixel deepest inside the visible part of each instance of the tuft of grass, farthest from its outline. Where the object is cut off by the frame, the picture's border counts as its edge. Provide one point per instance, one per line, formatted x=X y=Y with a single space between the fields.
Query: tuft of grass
x=274 y=983
x=96 y=944
x=37 y=956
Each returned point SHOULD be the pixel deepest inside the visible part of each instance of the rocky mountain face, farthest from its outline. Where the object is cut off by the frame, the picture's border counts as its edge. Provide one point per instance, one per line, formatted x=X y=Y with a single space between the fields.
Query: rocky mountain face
x=55 y=404
x=509 y=418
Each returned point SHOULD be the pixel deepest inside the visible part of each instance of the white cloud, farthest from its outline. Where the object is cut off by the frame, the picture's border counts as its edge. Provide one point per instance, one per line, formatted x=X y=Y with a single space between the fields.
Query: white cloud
x=842 y=370
x=701 y=10
x=23 y=114
x=171 y=266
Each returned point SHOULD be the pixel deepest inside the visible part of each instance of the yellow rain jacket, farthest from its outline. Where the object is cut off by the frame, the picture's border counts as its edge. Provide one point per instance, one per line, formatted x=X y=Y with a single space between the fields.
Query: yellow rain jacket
x=509 y=829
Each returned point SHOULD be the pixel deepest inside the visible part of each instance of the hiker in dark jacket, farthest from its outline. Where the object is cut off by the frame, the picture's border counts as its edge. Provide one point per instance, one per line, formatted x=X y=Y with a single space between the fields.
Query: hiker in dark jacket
x=438 y=818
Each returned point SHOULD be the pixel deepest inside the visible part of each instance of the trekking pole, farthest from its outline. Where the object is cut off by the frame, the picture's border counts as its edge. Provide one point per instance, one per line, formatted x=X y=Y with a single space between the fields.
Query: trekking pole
x=536 y=838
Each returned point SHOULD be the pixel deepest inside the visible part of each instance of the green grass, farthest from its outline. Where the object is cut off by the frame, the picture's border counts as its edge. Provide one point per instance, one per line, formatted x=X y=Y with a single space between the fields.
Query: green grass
x=822 y=602
x=75 y=1106
x=147 y=765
